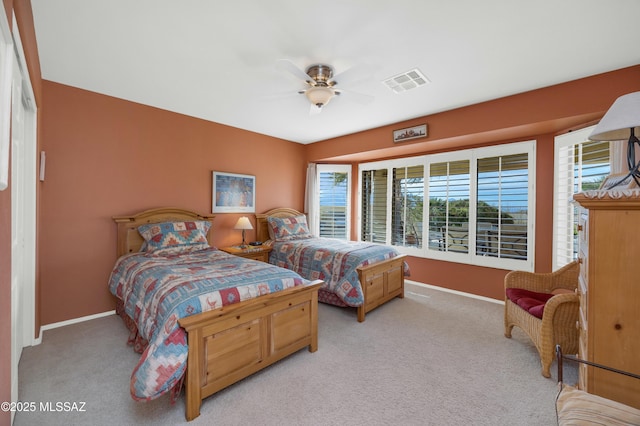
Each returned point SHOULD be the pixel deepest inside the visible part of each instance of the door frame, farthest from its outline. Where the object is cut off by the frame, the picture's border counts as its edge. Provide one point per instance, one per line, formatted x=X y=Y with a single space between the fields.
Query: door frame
x=31 y=179
x=23 y=189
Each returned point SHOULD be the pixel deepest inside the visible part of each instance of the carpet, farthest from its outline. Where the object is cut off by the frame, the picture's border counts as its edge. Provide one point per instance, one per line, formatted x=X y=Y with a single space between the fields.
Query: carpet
x=432 y=358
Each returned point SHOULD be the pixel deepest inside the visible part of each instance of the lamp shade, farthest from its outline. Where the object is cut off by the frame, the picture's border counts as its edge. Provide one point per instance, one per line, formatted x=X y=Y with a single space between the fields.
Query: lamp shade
x=623 y=115
x=319 y=95
x=243 y=223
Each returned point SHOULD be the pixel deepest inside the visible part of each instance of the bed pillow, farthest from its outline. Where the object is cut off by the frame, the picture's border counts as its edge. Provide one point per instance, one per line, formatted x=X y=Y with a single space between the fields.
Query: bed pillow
x=175 y=235
x=288 y=228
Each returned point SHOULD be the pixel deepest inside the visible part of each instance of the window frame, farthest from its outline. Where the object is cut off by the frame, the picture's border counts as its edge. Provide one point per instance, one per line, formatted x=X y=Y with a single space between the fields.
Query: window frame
x=473 y=155
x=334 y=168
x=389 y=165
x=562 y=198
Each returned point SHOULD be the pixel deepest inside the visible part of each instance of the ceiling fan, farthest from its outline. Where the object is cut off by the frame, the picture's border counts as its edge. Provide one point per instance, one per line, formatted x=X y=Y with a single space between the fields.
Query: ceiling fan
x=321 y=83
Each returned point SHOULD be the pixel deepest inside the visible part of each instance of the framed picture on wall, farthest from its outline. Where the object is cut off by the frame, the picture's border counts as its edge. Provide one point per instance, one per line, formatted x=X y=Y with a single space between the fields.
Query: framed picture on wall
x=410 y=133
x=233 y=193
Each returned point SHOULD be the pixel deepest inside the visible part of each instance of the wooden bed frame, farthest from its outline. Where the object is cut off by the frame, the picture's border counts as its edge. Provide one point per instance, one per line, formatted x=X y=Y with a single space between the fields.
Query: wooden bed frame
x=228 y=344
x=380 y=281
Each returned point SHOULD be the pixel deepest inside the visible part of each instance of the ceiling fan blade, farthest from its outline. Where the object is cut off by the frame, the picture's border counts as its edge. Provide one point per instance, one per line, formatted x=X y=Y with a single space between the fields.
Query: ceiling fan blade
x=278 y=95
x=352 y=76
x=290 y=67
x=360 y=98
x=315 y=110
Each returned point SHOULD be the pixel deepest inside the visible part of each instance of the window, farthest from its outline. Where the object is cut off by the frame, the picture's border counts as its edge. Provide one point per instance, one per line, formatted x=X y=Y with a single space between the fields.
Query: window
x=374 y=206
x=502 y=206
x=580 y=165
x=449 y=187
x=334 y=192
x=391 y=204
x=479 y=205
x=406 y=206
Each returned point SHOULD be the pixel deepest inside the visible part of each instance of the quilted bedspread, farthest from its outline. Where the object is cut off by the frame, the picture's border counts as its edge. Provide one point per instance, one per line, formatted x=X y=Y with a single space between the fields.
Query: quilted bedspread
x=333 y=261
x=158 y=289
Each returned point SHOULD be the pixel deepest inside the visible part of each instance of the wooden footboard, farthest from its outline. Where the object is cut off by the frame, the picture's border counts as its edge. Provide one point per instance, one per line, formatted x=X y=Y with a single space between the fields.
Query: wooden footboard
x=381 y=282
x=228 y=344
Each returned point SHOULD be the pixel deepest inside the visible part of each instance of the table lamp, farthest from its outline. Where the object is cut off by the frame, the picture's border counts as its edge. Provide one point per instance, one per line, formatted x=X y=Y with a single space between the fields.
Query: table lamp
x=244 y=224
x=622 y=122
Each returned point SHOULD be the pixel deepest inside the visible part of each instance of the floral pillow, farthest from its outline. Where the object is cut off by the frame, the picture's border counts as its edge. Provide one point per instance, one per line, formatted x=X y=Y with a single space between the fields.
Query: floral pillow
x=175 y=235
x=288 y=228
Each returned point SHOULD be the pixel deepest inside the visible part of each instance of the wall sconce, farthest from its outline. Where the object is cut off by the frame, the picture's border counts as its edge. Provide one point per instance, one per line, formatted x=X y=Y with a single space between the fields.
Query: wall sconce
x=622 y=121
x=244 y=224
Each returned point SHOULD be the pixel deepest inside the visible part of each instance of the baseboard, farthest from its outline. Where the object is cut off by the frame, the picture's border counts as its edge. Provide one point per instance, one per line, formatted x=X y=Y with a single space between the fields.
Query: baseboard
x=448 y=290
x=105 y=314
x=69 y=322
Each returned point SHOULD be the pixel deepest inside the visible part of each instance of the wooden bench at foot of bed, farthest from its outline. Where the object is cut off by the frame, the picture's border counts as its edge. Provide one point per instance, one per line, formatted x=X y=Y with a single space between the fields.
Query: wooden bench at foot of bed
x=229 y=344
x=381 y=282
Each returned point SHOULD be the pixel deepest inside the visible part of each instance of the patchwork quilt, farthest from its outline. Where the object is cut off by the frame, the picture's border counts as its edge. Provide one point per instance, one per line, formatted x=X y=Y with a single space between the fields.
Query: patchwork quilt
x=331 y=260
x=158 y=288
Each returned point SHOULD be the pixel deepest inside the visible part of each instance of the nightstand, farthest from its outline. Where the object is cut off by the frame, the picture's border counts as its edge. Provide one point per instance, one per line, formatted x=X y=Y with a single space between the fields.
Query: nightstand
x=251 y=252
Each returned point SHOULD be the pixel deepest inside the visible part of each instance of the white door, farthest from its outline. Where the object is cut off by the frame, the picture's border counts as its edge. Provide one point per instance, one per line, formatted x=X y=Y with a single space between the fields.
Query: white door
x=23 y=181
x=16 y=237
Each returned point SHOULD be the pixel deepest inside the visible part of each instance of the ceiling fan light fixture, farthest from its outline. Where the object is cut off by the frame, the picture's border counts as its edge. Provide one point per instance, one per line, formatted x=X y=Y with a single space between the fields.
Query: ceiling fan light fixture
x=320 y=73
x=319 y=95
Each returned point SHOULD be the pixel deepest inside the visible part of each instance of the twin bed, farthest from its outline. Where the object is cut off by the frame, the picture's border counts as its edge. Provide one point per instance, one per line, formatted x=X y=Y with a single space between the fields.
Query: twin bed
x=237 y=315
x=266 y=315
x=355 y=274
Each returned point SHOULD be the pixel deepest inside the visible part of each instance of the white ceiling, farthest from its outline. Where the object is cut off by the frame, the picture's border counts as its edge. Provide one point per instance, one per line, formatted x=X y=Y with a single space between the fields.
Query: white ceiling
x=216 y=60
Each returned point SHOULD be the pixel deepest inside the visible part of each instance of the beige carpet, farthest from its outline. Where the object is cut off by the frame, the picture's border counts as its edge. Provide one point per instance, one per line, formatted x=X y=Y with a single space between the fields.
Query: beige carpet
x=432 y=358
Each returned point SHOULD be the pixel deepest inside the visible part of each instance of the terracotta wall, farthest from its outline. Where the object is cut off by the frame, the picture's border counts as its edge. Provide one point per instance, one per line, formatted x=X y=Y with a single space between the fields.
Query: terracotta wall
x=539 y=115
x=109 y=157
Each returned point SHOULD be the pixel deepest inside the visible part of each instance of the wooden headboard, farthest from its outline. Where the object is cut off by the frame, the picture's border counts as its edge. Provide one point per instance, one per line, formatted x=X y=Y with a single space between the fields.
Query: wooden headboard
x=130 y=240
x=262 y=231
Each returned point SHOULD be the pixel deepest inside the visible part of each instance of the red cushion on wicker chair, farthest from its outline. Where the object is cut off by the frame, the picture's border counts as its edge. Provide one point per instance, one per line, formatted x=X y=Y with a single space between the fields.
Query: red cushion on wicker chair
x=531 y=301
x=537 y=310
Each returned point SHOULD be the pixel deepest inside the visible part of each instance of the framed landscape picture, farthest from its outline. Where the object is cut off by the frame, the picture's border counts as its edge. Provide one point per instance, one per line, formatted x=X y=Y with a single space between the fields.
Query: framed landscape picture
x=233 y=193
x=409 y=133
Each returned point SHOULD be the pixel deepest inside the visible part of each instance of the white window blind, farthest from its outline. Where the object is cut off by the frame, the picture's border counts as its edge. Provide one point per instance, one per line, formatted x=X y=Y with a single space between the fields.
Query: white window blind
x=374 y=206
x=502 y=208
x=579 y=165
x=479 y=205
x=449 y=190
x=334 y=193
x=406 y=206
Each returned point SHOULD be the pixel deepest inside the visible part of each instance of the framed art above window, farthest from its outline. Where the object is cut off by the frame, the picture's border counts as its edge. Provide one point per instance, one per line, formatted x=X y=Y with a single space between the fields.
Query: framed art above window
x=410 y=133
x=233 y=193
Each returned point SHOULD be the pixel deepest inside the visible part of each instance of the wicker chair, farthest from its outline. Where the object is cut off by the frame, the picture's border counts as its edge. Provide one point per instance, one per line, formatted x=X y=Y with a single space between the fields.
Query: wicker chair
x=560 y=314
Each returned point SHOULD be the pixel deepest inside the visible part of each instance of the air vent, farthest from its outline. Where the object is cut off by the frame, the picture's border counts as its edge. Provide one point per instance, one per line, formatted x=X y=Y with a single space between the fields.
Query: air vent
x=406 y=81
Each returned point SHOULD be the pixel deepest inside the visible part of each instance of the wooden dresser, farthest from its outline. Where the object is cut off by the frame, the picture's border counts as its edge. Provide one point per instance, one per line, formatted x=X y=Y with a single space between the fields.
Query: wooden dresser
x=609 y=322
